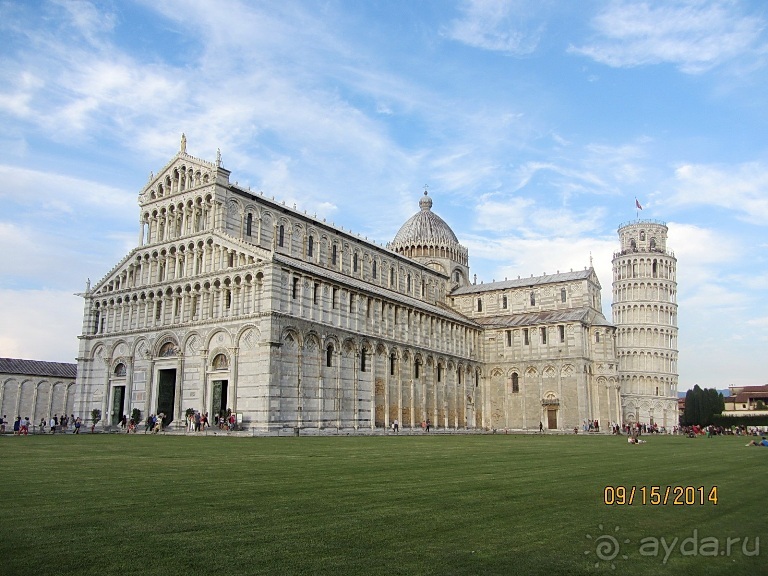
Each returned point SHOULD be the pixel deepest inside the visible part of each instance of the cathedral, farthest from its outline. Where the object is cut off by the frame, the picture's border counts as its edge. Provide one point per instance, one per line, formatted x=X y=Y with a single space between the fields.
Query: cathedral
x=233 y=302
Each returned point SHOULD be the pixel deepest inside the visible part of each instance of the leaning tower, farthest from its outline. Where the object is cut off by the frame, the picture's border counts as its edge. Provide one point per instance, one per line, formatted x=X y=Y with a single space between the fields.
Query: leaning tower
x=645 y=314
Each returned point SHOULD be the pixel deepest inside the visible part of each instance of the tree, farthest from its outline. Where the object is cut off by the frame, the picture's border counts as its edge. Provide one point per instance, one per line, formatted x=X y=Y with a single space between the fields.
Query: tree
x=701 y=405
x=95 y=416
x=690 y=416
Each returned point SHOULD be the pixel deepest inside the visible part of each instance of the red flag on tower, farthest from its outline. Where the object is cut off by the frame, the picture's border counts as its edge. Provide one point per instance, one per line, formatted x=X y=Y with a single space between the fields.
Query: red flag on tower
x=637 y=203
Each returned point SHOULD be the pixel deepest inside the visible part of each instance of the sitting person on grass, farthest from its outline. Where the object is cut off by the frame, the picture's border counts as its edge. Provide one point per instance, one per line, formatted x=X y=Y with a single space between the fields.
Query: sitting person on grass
x=762 y=442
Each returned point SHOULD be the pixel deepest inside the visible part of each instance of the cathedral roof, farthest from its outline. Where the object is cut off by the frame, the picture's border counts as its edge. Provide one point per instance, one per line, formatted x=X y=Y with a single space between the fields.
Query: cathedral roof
x=525 y=282
x=584 y=315
x=37 y=368
x=425 y=228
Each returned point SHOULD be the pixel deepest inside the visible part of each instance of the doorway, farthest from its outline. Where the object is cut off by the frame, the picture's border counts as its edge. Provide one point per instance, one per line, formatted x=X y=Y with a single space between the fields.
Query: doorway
x=552 y=419
x=166 y=394
x=219 y=400
x=118 y=404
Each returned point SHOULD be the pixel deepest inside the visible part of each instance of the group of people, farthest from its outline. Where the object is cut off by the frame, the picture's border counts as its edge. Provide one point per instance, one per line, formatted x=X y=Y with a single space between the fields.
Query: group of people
x=226 y=421
x=197 y=422
x=22 y=426
x=154 y=423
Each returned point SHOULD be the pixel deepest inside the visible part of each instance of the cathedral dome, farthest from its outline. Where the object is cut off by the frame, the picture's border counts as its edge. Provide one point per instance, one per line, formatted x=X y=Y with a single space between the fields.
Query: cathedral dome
x=425 y=228
x=426 y=237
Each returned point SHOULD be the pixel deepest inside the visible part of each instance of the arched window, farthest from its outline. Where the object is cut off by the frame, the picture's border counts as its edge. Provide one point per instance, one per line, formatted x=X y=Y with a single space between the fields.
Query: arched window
x=373 y=269
x=220 y=362
x=333 y=255
x=392 y=363
x=354 y=262
x=642 y=235
x=416 y=365
x=515 y=383
x=120 y=370
x=329 y=356
x=362 y=360
x=479 y=304
x=563 y=295
x=310 y=246
x=597 y=337
x=249 y=224
x=633 y=244
x=281 y=235
x=653 y=243
x=533 y=298
x=504 y=302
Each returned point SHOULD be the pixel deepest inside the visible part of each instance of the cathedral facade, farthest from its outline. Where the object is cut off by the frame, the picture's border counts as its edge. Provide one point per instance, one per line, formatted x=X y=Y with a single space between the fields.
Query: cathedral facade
x=235 y=302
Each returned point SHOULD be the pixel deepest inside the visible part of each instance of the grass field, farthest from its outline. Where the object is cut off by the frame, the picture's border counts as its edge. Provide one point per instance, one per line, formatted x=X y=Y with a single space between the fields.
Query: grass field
x=493 y=504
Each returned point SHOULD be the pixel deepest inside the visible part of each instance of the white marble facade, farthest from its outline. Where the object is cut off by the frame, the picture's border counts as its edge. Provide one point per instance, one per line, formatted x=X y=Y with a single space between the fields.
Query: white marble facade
x=645 y=314
x=233 y=300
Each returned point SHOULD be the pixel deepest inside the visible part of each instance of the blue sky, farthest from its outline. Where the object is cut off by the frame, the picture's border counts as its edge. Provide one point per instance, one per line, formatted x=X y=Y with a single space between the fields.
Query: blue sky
x=535 y=125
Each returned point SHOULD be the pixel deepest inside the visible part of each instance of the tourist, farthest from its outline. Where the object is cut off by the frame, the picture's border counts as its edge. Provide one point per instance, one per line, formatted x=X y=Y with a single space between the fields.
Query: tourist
x=541 y=427
x=2 y=424
x=25 y=426
x=429 y=424
x=762 y=442
x=42 y=425
x=148 y=423
x=17 y=426
x=78 y=422
x=397 y=426
x=158 y=423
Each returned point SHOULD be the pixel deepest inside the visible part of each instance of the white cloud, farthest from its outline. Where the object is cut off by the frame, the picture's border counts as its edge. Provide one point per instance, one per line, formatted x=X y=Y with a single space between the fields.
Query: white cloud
x=527 y=219
x=694 y=35
x=499 y=26
x=35 y=188
x=741 y=188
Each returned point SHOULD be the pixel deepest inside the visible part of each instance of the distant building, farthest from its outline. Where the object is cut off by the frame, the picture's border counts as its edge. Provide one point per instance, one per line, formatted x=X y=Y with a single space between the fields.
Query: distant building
x=746 y=401
x=36 y=389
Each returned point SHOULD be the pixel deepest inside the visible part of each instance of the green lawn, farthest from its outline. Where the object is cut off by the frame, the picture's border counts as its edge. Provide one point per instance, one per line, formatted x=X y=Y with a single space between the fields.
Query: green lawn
x=475 y=505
